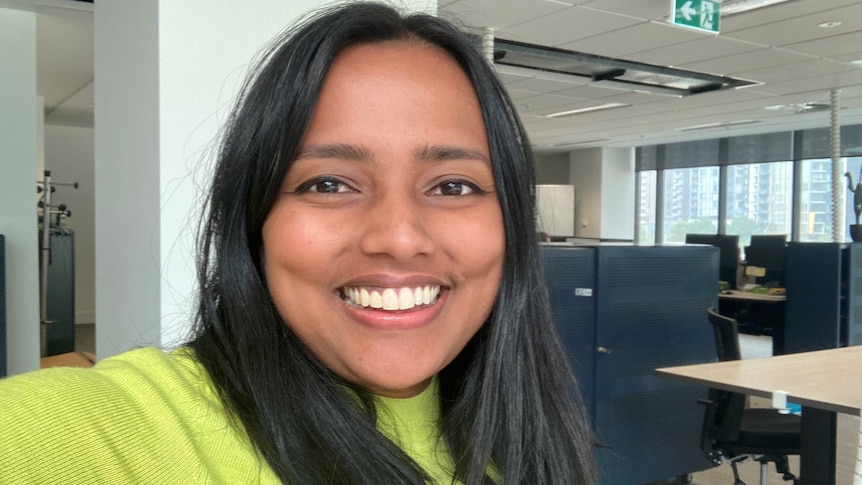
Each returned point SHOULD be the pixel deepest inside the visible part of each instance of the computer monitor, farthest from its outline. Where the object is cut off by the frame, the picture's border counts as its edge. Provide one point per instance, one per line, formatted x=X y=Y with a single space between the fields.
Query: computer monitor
x=767 y=251
x=728 y=246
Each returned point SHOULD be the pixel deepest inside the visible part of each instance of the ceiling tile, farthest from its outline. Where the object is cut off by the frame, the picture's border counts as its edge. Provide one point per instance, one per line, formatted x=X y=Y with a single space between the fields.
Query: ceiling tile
x=803 y=28
x=566 y=26
x=747 y=61
x=797 y=70
x=778 y=13
x=819 y=83
x=543 y=104
x=700 y=49
x=644 y=9
x=829 y=46
x=490 y=13
x=637 y=38
x=850 y=57
x=542 y=85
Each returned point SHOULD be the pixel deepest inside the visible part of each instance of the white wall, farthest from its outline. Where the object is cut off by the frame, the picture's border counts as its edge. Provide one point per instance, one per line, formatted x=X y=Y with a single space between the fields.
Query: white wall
x=585 y=173
x=18 y=174
x=618 y=193
x=126 y=175
x=69 y=153
x=605 y=201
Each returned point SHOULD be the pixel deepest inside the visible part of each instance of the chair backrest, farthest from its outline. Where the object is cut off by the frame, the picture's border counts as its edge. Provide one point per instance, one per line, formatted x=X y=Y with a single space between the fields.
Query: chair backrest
x=726 y=336
x=723 y=420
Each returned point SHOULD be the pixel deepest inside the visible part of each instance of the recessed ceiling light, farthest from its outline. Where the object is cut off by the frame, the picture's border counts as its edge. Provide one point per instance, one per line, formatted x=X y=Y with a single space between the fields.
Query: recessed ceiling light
x=719 y=124
x=799 y=108
x=591 y=109
x=829 y=24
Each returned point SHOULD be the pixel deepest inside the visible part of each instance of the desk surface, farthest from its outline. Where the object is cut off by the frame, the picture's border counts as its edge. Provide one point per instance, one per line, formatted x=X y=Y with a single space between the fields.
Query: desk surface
x=825 y=379
x=749 y=296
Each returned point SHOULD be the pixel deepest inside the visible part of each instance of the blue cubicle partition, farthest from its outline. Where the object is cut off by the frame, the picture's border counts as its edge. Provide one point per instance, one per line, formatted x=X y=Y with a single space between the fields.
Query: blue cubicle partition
x=824 y=296
x=571 y=278
x=622 y=312
x=3 y=358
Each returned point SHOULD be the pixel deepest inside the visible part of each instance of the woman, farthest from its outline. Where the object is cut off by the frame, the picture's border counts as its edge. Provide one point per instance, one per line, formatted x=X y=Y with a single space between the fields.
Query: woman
x=371 y=306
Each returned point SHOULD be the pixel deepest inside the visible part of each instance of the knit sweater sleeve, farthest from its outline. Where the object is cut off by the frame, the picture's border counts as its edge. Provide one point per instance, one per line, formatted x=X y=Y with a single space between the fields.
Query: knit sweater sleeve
x=145 y=416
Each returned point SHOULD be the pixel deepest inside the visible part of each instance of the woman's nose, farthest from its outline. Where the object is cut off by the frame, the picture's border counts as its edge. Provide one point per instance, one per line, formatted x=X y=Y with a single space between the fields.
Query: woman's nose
x=394 y=225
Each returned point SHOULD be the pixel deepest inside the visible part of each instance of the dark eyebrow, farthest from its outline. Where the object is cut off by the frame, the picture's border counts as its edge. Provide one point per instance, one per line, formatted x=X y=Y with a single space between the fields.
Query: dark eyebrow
x=427 y=153
x=336 y=150
x=442 y=153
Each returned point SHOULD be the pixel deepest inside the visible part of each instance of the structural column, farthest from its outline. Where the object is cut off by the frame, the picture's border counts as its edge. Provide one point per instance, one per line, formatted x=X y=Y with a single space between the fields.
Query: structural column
x=166 y=76
x=19 y=127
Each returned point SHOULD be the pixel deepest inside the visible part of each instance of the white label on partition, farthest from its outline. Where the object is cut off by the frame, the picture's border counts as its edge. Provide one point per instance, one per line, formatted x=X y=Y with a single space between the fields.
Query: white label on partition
x=583 y=292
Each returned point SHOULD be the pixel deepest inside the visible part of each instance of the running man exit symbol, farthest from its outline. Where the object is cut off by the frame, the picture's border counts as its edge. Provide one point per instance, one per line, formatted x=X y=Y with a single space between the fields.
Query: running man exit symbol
x=696 y=14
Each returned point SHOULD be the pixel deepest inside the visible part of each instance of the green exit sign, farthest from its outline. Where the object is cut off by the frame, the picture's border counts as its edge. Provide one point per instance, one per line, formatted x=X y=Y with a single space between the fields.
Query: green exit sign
x=696 y=14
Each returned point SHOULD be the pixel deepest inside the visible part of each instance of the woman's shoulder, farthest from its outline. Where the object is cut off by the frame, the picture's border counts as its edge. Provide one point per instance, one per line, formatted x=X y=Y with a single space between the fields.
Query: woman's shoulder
x=144 y=373
x=142 y=415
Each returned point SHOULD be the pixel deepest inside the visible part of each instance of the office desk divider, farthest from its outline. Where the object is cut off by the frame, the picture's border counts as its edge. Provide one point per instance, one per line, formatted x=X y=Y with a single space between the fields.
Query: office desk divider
x=824 y=296
x=622 y=312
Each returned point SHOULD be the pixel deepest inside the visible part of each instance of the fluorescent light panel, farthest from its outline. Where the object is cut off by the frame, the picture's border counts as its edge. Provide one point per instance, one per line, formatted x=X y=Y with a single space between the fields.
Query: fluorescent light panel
x=591 y=109
x=720 y=124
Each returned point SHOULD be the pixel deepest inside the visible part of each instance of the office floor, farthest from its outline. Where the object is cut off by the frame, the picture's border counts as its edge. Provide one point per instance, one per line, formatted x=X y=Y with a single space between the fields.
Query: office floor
x=752 y=346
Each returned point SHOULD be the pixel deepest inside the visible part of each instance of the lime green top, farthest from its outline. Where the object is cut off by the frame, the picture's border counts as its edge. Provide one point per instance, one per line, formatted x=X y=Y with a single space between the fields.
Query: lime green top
x=147 y=416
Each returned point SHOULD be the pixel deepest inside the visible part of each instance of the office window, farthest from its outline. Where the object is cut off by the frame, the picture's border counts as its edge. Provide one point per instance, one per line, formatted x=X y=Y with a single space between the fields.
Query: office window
x=646 y=207
x=815 y=218
x=854 y=166
x=690 y=202
x=815 y=215
x=759 y=199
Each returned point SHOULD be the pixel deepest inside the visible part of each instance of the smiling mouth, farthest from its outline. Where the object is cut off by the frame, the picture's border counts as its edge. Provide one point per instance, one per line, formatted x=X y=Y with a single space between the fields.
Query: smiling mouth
x=390 y=299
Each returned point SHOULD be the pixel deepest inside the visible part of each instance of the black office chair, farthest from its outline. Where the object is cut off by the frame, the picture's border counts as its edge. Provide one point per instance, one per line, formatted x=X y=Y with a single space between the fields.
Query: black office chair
x=735 y=433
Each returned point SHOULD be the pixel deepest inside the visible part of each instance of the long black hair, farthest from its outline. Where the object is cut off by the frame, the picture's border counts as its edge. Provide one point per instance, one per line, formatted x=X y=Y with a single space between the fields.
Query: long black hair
x=508 y=401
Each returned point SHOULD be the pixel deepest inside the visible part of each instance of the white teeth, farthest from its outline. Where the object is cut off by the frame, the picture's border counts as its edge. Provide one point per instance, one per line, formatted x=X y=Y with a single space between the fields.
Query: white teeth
x=375 y=300
x=405 y=299
x=392 y=298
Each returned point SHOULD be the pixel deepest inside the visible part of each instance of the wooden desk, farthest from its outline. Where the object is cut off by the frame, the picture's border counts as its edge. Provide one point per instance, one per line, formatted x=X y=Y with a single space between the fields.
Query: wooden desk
x=824 y=382
x=749 y=296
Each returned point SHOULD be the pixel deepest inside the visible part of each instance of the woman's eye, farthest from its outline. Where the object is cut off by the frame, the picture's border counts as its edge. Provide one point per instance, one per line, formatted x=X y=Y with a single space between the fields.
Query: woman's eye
x=454 y=187
x=323 y=186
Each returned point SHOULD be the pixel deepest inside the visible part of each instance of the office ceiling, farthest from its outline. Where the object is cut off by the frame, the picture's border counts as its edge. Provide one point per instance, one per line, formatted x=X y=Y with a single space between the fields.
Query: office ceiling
x=793 y=52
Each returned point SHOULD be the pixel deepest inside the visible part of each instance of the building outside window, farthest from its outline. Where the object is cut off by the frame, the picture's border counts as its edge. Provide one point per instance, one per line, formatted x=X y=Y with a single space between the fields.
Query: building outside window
x=757 y=180
x=646 y=206
x=759 y=199
x=690 y=202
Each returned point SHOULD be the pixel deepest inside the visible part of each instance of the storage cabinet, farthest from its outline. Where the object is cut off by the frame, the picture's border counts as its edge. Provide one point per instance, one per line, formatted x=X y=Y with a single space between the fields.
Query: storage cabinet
x=623 y=311
x=59 y=330
x=824 y=296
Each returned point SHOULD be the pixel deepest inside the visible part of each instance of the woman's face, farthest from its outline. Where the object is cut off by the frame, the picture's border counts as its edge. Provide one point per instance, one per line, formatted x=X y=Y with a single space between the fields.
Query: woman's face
x=384 y=251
